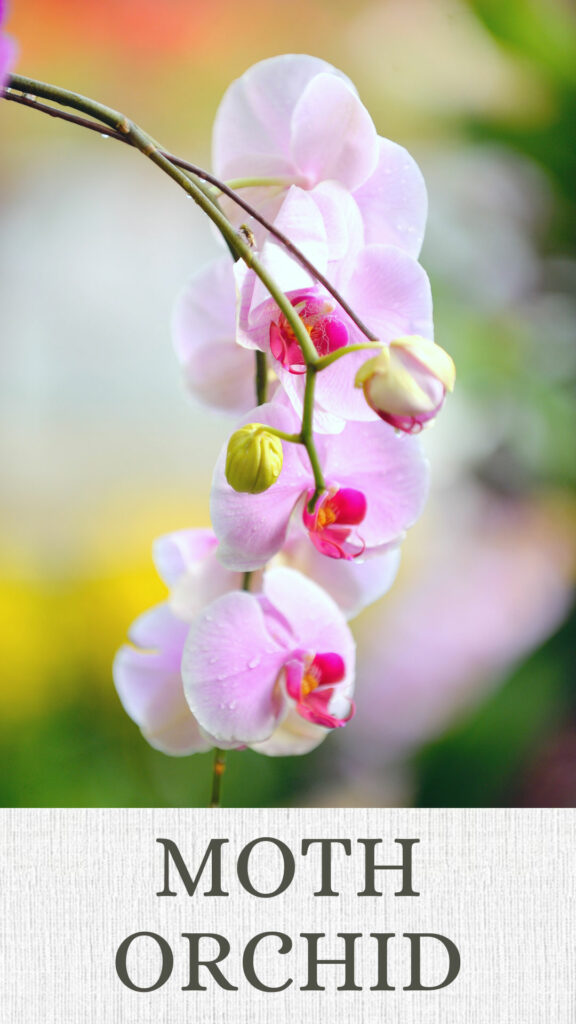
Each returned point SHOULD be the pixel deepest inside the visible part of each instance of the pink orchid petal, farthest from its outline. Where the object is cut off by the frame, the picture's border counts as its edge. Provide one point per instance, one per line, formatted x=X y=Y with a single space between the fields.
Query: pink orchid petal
x=149 y=684
x=251 y=134
x=342 y=221
x=294 y=736
x=314 y=617
x=188 y=562
x=230 y=666
x=293 y=675
x=324 y=422
x=176 y=553
x=353 y=585
x=333 y=135
x=286 y=350
x=317 y=708
x=330 y=667
x=393 y=200
x=350 y=505
x=251 y=527
x=218 y=371
x=391 y=292
x=389 y=469
x=300 y=219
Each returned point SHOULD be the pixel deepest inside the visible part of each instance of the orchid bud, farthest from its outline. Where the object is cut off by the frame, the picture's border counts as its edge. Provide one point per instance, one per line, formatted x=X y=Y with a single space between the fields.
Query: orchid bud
x=407 y=383
x=254 y=459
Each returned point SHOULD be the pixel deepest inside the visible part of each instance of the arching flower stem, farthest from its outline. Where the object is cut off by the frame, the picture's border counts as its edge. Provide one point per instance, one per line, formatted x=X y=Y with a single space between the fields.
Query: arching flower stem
x=122 y=128
x=27 y=85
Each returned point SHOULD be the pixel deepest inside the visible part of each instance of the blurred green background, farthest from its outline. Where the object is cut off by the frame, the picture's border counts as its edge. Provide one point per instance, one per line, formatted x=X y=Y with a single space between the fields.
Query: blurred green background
x=466 y=690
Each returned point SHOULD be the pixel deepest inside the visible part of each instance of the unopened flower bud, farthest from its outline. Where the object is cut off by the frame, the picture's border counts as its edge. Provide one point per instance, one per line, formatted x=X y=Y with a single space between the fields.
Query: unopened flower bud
x=407 y=383
x=254 y=459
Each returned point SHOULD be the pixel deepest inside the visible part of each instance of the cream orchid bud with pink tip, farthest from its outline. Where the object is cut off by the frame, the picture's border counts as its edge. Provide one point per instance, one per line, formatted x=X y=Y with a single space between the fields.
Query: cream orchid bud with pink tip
x=407 y=382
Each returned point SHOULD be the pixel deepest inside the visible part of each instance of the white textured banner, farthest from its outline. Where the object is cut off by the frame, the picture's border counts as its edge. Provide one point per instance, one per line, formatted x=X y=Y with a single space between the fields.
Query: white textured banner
x=493 y=922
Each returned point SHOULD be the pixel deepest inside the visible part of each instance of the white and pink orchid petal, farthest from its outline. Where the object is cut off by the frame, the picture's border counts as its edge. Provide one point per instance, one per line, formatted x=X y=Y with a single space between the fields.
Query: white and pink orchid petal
x=391 y=292
x=251 y=136
x=175 y=554
x=333 y=135
x=188 y=563
x=230 y=666
x=343 y=225
x=390 y=470
x=314 y=617
x=352 y=584
x=218 y=371
x=251 y=528
x=149 y=683
x=393 y=200
x=294 y=736
x=300 y=219
x=335 y=391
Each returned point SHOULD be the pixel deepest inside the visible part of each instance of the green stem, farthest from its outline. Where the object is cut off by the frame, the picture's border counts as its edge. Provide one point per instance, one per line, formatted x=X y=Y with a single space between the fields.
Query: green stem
x=325 y=361
x=218 y=769
x=261 y=378
x=307 y=436
x=257 y=182
x=292 y=438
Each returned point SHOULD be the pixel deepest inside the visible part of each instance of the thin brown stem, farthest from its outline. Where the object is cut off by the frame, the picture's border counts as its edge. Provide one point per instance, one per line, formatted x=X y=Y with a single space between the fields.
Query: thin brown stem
x=218 y=769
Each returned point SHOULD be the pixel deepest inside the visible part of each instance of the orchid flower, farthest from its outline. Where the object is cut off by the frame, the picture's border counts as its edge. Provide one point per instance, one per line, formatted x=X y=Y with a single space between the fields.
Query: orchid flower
x=376 y=487
x=296 y=120
x=318 y=665
x=273 y=670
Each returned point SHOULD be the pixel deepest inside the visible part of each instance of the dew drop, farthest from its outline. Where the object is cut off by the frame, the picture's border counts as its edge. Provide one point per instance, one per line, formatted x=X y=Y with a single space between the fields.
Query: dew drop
x=254 y=663
x=104 y=136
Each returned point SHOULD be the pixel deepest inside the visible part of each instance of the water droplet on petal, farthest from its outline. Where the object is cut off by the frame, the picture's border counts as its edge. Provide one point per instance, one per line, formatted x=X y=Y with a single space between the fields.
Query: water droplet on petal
x=254 y=662
x=104 y=136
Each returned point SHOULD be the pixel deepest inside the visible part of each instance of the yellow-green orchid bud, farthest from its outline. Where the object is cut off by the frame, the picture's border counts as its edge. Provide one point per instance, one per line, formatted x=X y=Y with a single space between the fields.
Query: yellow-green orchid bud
x=407 y=382
x=254 y=459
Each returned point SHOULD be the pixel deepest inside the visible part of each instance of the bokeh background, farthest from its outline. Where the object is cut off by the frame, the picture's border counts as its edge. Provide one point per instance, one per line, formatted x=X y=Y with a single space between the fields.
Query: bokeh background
x=465 y=692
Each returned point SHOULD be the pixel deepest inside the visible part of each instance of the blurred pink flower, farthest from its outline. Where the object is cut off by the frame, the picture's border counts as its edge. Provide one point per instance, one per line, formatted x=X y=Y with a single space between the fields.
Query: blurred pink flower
x=377 y=484
x=493 y=587
x=7 y=49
